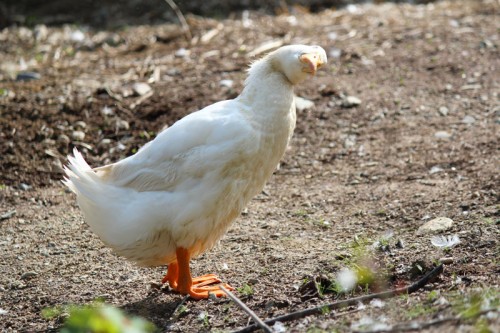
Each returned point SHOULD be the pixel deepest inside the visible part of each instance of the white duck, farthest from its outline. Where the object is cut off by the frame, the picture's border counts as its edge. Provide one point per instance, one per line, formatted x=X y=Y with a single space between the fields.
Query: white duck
x=177 y=196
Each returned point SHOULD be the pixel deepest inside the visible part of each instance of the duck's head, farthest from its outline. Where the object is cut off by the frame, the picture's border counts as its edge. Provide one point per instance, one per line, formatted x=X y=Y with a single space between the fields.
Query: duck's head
x=297 y=62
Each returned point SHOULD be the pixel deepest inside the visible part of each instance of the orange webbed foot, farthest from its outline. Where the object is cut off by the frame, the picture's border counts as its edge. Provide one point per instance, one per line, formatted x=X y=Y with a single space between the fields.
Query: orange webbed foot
x=179 y=278
x=206 y=280
x=204 y=291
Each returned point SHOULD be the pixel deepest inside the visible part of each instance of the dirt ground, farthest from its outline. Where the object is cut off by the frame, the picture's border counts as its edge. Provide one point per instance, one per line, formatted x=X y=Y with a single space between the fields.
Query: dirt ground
x=358 y=180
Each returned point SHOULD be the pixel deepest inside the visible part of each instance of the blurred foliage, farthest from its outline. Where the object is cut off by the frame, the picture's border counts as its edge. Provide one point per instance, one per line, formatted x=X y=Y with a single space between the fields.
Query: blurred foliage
x=98 y=318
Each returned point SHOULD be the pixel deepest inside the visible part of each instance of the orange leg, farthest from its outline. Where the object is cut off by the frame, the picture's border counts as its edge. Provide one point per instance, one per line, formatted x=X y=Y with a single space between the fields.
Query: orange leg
x=179 y=278
x=172 y=275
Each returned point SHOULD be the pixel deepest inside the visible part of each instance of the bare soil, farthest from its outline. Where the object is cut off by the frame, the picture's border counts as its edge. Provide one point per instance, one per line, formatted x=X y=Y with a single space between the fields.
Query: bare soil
x=423 y=143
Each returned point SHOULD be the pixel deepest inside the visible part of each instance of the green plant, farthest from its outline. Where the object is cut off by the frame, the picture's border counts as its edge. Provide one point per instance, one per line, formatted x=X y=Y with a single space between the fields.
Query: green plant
x=322 y=223
x=204 y=318
x=182 y=310
x=246 y=290
x=300 y=213
x=325 y=310
x=433 y=295
x=98 y=317
x=418 y=310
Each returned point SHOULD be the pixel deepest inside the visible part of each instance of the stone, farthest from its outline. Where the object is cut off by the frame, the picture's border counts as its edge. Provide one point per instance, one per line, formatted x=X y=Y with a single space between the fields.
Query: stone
x=122 y=125
x=443 y=135
x=335 y=53
x=28 y=275
x=78 y=135
x=435 y=169
x=80 y=124
x=141 y=88
x=226 y=83
x=351 y=101
x=28 y=76
x=8 y=215
x=436 y=225
x=182 y=52
x=443 y=110
x=469 y=120
x=77 y=36
x=446 y=260
x=24 y=187
x=63 y=139
x=303 y=104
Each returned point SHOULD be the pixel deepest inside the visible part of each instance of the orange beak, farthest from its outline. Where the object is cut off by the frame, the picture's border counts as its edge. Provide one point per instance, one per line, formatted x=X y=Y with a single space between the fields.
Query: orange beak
x=313 y=62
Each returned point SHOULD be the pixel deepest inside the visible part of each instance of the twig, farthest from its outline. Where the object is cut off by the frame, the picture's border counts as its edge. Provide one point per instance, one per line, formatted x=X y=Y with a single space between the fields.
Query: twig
x=182 y=19
x=181 y=303
x=351 y=301
x=112 y=94
x=207 y=37
x=141 y=100
x=245 y=308
x=267 y=46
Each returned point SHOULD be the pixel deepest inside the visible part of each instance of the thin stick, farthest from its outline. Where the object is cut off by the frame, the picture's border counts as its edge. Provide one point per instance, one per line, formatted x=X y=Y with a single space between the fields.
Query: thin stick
x=181 y=303
x=245 y=308
x=351 y=301
x=182 y=19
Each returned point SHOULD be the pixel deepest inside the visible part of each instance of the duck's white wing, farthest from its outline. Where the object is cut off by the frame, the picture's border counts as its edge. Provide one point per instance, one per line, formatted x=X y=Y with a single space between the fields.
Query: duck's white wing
x=203 y=142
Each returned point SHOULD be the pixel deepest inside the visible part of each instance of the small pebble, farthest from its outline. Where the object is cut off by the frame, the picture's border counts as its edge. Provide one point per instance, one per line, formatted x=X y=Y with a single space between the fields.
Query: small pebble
x=63 y=139
x=8 y=215
x=469 y=120
x=28 y=76
x=226 y=83
x=333 y=35
x=77 y=36
x=105 y=142
x=443 y=110
x=24 y=187
x=104 y=296
x=78 y=135
x=28 y=275
x=350 y=141
x=446 y=260
x=351 y=101
x=107 y=111
x=303 y=104
x=122 y=124
x=437 y=224
x=182 y=52
x=80 y=124
x=335 y=52
x=279 y=327
x=442 y=135
x=435 y=169
x=141 y=88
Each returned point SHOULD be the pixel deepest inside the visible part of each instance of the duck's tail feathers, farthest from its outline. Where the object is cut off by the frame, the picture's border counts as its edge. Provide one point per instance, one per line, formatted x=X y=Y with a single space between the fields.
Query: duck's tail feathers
x=80 y=177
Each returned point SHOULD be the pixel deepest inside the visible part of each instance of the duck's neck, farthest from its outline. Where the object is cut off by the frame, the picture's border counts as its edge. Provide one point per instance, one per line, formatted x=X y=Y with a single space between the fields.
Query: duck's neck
x=267 y=93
